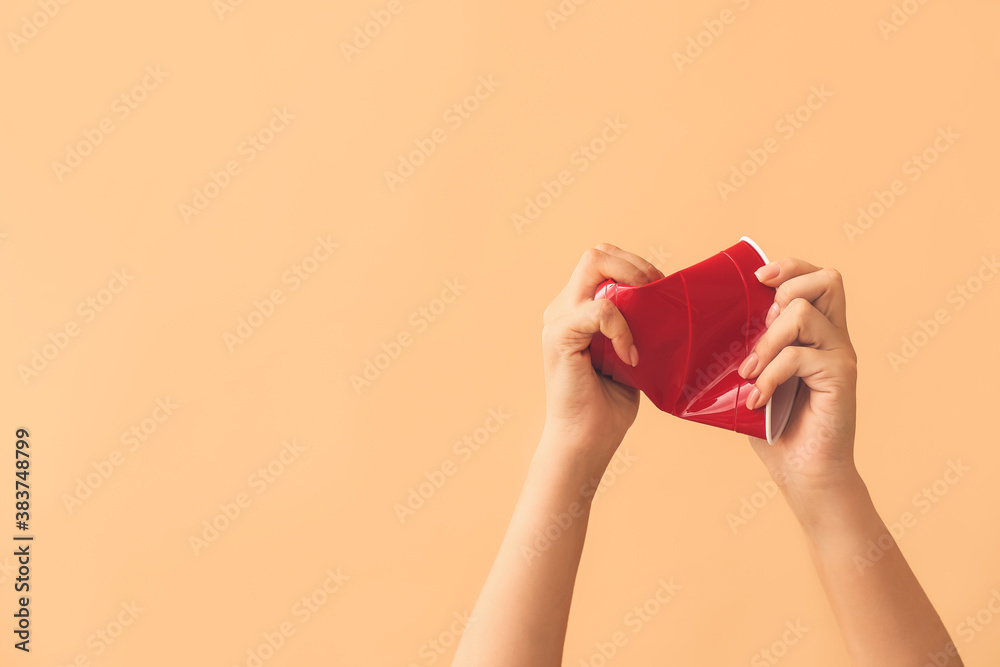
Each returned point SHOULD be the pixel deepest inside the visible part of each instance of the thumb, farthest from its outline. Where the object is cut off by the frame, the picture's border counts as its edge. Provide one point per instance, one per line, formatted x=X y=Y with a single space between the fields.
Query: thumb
x=573 y=332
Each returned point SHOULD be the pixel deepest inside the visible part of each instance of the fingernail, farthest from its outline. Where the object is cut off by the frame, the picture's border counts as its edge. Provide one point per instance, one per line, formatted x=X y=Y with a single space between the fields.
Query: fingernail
x=633 y=355
x=753 y=398
x=772 y=314
x=767 y=272
x=750 y=363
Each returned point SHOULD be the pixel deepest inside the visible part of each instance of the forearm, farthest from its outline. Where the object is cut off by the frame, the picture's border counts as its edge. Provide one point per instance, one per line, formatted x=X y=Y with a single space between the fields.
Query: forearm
x=884 y=614
x=520 y=618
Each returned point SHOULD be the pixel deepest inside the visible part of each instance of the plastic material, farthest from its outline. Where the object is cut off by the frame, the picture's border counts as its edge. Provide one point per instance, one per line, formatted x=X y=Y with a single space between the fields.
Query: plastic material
x=693 y=329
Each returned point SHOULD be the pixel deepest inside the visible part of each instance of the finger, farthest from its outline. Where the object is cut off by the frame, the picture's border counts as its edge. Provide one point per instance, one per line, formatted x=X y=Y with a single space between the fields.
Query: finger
x=821 y=370
x=823 y=288
x=647 y=267
x=798 y=324
x=595 y=267
x=777 y=272
x=576 y=329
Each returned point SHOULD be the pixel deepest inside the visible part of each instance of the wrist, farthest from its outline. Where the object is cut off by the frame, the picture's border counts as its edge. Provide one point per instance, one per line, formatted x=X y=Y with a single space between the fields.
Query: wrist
x=578 y=463
x=834 y=502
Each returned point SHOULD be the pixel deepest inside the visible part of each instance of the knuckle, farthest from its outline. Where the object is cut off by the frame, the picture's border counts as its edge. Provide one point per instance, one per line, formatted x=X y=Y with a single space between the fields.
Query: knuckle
x=793 y=353
x=605 y=247
x=833 y=276
x=799 y=308
x=764 y=383
x=611 y=319
x=797 y=304
x=783 y=294
x=604 y=309
x=764 y=345
x=591 y=256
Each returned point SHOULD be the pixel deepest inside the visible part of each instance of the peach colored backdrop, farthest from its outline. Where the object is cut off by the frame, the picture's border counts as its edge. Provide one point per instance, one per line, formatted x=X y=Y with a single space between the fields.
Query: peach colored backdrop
x=273 y=282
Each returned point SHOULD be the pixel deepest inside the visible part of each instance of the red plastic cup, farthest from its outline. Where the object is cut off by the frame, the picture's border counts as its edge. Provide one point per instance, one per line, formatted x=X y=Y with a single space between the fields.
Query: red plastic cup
x=693 y=329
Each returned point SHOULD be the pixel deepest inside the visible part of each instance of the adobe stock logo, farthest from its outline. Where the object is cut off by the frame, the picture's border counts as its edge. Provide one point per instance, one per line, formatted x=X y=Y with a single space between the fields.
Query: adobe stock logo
x=703 y=39
x=438 y=476
x=121 y=108
x=561 y=522
x=420 y=320
x=230 y=511
x=658 y=257
x=456 y=115
x=562 y=12
x=31 y=24
x=958 y=297
x=722 y=363
x=104 y=468
x=364 y=34
x=779 y=648
x=787 y=126
x=581 y=159
x=249 y=148
x=635 y=620
x=435 y=647
x=914 y=167
x=751 y=505
x=900 y=16
x=223 y=7
x=305 y=609
x=923 y=501
x=976 y=623
x=265 y=309
x=108 y=634
x=87 y=309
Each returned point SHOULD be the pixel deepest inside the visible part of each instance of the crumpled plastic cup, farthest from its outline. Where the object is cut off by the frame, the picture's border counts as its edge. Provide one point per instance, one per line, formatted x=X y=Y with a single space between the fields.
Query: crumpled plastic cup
x=693 y=329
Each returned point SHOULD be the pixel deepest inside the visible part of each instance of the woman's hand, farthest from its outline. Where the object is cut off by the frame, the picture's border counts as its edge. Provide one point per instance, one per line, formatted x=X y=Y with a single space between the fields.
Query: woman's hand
x=807 y=337
x=884 y=614
x=520 y=618
x=582 y=406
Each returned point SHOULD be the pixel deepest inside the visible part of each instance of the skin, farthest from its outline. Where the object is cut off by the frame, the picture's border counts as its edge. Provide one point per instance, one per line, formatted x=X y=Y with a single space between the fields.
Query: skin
x=884 y=615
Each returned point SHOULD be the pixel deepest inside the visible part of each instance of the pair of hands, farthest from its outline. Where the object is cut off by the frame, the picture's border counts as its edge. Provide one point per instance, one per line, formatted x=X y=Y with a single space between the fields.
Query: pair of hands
x=806 y=337
x=523 y=609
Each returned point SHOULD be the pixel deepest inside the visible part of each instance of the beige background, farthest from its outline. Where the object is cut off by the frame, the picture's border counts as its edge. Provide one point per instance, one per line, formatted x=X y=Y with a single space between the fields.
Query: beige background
x=654 y=191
